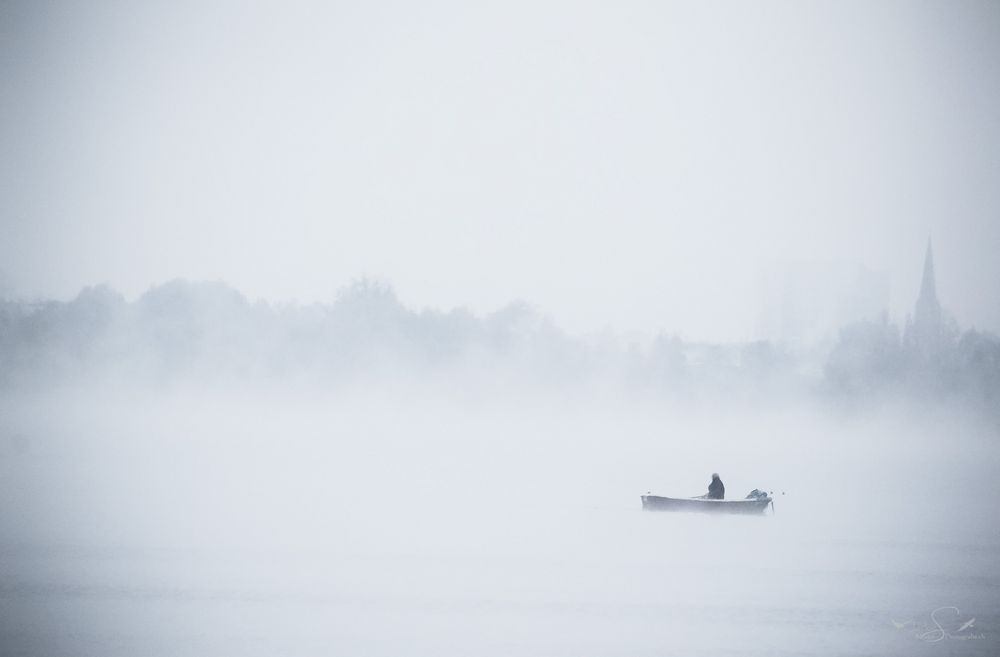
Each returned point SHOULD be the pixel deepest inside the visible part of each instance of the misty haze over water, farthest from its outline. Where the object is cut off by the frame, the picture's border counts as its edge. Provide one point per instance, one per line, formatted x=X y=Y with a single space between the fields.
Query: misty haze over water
x=193 y=472
x=332 y=328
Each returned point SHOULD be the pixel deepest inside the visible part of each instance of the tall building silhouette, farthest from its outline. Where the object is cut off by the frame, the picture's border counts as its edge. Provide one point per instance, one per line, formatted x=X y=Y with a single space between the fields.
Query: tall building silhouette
x=926 y=331
x=809 y=302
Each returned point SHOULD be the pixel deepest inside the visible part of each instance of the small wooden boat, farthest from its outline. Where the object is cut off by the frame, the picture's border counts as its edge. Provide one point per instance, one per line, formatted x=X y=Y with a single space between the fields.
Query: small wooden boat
x=656 y=503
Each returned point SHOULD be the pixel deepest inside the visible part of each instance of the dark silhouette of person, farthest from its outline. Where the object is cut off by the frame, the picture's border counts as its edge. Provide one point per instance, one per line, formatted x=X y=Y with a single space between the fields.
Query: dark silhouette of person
x=716 y=491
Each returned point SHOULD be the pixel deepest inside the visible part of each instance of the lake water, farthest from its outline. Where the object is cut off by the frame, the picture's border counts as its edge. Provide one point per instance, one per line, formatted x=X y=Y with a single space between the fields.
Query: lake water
x=365 y=527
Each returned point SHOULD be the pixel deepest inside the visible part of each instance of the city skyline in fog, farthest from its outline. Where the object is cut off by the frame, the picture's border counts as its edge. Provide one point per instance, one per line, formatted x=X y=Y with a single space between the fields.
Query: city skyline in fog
x=650 y=168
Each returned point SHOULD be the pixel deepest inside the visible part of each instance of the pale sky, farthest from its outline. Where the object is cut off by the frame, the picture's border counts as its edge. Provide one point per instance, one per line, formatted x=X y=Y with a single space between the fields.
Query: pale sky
x=634 y=165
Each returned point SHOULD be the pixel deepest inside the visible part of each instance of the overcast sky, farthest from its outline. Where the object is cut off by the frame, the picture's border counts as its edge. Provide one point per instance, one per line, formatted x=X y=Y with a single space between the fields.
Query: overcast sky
x=635 y=165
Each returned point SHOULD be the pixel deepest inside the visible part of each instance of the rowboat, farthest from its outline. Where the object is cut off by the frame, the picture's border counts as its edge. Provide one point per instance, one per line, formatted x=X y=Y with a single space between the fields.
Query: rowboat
x=701 y=504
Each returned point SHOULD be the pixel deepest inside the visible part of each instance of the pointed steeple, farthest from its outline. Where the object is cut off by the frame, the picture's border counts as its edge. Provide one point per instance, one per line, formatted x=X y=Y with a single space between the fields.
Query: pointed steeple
x=928 y=290
x=927 y=329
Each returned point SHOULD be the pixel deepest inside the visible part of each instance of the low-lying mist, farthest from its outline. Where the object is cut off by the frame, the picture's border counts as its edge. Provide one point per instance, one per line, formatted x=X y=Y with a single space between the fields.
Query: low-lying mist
x=184 y=334
x=393 y=518
x=757 y=239
x=193 y=473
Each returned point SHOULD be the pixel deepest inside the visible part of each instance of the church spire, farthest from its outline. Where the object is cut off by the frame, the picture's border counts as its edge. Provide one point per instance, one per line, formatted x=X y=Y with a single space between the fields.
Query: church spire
x=928 y=290
x=927 y=330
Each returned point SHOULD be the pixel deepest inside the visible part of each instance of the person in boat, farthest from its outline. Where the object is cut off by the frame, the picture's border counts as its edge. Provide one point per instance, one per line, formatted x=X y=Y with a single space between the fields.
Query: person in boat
x=716 y=491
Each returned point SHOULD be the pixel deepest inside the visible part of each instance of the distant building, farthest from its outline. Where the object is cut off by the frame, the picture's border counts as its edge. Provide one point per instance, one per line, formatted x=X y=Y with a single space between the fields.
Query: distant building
x=927 y=331
x=808 y=302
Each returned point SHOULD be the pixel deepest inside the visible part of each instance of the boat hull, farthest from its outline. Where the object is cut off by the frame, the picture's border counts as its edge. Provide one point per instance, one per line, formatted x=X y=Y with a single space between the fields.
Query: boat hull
x=701 y=505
